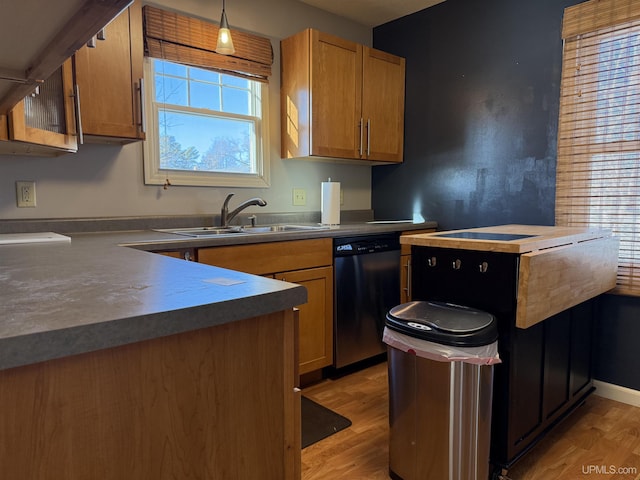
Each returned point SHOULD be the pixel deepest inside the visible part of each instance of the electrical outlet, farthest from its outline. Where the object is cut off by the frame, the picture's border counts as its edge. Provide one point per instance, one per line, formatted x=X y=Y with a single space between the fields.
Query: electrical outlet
x=26 y=194
x=299 y=196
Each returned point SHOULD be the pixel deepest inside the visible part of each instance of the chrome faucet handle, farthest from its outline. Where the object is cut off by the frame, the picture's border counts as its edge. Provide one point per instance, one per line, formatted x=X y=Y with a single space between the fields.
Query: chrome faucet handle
x=224 y=212
x=252 y=219
x=226 y=200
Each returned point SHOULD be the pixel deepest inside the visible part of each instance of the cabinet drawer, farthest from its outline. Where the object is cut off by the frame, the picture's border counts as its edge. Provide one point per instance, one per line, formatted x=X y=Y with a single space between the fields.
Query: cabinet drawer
x=264 y=258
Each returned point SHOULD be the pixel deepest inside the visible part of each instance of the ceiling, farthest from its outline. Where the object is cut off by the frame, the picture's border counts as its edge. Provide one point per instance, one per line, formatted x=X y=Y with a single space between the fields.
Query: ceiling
x=372 y=12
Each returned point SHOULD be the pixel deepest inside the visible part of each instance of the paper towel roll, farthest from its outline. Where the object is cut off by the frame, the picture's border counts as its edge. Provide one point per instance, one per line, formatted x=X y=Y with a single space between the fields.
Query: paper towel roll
x=330 y=203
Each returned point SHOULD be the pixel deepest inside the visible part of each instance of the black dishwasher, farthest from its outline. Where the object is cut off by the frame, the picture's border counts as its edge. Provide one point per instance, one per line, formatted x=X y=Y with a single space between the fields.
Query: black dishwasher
x=546 y=369
x=366 y=286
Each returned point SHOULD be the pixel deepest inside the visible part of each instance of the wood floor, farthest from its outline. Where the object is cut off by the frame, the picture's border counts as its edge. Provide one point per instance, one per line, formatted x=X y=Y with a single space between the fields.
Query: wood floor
x=601 y=440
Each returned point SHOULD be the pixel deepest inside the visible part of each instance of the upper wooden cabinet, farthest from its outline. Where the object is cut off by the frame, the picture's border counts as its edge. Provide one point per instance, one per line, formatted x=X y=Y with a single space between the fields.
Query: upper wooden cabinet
x=109 y=78
x=41 y=36
x=340 y=99
x=44 y=123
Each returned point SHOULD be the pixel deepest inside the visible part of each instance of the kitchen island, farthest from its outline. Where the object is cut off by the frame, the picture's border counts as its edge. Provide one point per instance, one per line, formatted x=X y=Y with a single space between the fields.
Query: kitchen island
x=117 y=363
x=541 y=283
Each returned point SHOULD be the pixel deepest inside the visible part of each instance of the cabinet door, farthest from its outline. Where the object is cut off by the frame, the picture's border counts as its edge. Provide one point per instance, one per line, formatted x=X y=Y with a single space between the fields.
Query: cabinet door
x=336 y=81
x=383 y=105
x=108 y=78
x=316 y=317
x=47 y=117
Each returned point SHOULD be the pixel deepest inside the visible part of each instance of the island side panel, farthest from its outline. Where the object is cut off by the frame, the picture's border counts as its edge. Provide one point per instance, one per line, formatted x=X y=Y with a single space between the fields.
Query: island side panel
x=211 y=403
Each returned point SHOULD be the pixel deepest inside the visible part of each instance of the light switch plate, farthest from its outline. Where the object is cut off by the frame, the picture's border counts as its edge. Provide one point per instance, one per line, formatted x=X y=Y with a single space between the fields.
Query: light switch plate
x=299 y=196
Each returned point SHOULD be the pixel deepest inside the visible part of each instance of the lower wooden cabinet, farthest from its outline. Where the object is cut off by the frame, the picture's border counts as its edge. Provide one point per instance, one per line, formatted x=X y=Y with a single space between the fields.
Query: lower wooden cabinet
x=316 y=328
x=305 y=262
x=405 y=265
x=218 y=402
x=187 y=254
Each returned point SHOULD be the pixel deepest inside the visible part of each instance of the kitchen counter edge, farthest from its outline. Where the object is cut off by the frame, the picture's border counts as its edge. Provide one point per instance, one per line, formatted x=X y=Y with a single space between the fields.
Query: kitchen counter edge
x=93 y=293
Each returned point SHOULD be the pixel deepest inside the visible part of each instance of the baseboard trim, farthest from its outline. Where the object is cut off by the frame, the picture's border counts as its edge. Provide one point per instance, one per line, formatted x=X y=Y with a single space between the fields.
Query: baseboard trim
x=617 y=393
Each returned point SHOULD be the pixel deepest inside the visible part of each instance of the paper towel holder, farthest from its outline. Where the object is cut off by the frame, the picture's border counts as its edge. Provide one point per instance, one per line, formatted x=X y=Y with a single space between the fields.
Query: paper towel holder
x=330 y=203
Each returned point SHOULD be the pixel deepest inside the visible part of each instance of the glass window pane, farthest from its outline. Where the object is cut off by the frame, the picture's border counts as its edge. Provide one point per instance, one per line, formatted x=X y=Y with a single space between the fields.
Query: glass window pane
x=202 y=74
x=204 y=143
x=236 y=101
x=235 y=81
x=205 y=95
x=171 y=90
x=167 y=68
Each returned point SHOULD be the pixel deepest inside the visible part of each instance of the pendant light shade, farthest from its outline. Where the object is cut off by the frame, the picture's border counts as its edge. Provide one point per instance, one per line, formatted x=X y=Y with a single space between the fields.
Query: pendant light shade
x=225 y=43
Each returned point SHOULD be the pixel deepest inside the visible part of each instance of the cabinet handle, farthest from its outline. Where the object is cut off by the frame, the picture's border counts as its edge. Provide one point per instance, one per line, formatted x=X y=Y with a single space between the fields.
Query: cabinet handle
x=76 y=104
x=368 y=137
x=102 y=35
x=361 y=125
x=143 y=113
x=92 y=42
x=408 y=289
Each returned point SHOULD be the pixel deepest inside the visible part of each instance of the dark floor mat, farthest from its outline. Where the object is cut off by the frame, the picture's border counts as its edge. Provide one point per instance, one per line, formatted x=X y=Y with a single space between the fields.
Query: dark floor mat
x=319 y=422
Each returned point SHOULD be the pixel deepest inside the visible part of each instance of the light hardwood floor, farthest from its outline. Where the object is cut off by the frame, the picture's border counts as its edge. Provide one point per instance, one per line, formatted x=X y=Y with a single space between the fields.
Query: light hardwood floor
x=600 y=437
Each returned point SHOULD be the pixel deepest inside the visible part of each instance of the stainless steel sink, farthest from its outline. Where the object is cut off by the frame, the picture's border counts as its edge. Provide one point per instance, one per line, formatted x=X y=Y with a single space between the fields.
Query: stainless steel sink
x=238 y=230
x=282 y=228
x=203 y=231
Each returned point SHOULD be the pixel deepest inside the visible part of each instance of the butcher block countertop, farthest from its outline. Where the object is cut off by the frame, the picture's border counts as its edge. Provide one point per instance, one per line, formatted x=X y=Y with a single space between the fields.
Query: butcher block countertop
x=559 y=267
x=535 y=237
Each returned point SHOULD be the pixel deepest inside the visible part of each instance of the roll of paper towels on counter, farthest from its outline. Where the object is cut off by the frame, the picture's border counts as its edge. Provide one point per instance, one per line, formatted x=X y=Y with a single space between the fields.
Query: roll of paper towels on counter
x=330 y=203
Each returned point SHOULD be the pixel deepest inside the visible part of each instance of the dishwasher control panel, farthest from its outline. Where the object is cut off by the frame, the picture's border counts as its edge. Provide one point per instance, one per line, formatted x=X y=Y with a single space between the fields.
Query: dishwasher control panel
x=365 y=244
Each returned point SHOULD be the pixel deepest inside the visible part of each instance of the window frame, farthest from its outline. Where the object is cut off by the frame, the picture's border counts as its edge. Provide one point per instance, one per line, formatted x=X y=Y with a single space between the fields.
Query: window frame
x=591 y=190
x=154 y=175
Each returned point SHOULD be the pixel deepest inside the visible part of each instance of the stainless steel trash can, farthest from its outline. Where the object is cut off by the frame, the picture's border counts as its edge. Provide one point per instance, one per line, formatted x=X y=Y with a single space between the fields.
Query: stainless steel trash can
x=440 y=361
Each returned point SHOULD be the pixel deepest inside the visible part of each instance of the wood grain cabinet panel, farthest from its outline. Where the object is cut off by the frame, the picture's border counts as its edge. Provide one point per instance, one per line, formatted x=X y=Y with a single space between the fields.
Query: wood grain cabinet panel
x=109 y=78
x=340 y=99
x=316 y=317
x=47 y=118
x=217 y=402
x=305 y=262
x=405 y=265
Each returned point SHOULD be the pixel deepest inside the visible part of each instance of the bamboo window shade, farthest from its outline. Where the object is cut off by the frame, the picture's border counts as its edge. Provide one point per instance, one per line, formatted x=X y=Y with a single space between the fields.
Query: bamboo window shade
x=191 y=41
x=598 y=172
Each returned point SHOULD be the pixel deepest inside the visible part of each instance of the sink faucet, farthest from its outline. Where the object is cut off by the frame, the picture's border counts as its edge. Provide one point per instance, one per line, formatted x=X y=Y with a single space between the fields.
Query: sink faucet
x=226 y=216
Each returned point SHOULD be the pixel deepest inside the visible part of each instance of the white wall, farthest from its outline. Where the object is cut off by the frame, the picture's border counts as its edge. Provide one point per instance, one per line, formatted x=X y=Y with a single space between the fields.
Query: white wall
x=108 y=181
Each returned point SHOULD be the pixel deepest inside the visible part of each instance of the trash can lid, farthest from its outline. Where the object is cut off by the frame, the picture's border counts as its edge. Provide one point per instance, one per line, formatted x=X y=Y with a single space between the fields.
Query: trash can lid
x=444 y=323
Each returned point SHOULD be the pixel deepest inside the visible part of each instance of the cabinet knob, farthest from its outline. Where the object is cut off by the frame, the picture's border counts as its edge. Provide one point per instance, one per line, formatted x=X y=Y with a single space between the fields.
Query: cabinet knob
x=431 y=261
x=483 y=267
x=457 y=264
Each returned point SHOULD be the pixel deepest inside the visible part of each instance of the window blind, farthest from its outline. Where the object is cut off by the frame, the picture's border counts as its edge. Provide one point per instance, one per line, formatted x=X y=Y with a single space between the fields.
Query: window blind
x=598 y=172
x=191 y=41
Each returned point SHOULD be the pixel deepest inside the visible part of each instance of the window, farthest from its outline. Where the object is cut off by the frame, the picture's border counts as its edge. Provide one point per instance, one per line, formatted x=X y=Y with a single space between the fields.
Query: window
x=598 y=175
x=205 y=127
x=206 y=112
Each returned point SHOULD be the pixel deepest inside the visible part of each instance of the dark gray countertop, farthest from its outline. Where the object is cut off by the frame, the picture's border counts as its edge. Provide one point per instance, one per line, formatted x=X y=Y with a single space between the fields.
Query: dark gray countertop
x=61 y=299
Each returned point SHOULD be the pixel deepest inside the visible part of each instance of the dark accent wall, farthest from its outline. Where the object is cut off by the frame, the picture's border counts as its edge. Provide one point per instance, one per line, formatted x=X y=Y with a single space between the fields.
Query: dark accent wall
x=481 y=118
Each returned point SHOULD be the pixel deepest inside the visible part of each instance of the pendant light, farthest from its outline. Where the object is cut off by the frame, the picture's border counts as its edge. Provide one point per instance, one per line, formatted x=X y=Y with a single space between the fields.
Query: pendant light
x=225 y=43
